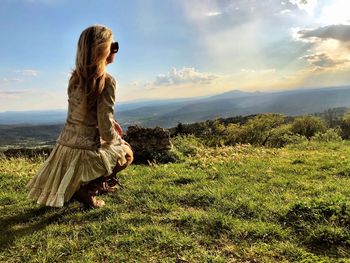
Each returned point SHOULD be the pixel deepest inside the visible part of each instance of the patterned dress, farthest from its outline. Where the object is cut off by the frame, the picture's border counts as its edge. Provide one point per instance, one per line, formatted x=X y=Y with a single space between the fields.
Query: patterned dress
x=87 y=148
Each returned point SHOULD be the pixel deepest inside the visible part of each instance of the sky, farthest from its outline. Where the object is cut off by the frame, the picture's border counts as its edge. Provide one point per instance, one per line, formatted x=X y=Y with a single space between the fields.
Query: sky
x=174 y=48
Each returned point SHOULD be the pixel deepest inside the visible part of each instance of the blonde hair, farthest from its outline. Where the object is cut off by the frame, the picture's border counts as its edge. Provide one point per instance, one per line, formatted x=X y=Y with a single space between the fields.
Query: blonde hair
x=94 y=47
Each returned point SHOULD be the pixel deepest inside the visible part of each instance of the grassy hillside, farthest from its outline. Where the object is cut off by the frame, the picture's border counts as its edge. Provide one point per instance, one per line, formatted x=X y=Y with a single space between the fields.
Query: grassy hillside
x=228 y=204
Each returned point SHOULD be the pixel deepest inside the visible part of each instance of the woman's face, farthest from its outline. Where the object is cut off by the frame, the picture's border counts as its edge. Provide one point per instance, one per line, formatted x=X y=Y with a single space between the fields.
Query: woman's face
x=110 y=58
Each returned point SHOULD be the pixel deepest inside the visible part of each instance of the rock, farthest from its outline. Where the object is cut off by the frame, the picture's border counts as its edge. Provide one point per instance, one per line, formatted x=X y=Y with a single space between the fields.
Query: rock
x=149 y=145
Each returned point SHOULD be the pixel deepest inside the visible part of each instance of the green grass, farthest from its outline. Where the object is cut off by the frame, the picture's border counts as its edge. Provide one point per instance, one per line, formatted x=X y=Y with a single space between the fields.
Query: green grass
x=229 y=204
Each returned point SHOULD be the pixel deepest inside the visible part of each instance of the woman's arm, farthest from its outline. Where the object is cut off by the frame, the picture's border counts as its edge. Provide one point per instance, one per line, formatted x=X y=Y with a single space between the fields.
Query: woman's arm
x=105 y=112
x=118 y=128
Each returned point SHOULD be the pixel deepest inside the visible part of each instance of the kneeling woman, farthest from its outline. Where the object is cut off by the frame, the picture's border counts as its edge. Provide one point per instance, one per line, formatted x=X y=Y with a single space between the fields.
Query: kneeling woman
x=90 y=150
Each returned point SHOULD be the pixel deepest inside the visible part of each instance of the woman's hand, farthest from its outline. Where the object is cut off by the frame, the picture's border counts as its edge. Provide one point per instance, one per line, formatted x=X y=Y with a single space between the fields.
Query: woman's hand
x=118 y=128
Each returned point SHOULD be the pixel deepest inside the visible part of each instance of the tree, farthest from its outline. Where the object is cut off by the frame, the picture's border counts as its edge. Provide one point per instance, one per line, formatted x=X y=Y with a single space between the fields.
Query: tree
x=308 y=126
x=345 y=126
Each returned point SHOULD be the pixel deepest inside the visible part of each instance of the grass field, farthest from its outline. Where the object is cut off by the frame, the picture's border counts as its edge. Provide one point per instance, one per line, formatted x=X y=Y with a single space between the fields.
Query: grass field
x=228 y=204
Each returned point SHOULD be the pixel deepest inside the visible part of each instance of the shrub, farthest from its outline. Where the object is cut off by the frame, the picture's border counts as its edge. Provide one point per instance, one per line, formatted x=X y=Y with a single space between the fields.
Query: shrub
x=257 y=130
x=294 y=139
x=308 y=126
x=345 y=127
x=233 y=134
x=188 y=145
x=216 y=136
x=331 y=135
x=280 y=136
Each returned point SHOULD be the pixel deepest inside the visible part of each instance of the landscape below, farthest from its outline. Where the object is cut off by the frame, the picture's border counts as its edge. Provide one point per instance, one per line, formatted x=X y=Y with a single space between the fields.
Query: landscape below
x=259 y=188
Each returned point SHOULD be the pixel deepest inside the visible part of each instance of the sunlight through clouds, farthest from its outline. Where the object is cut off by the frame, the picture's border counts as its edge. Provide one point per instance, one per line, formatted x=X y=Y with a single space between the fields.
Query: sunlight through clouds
x=337 y=12
x=330 y=46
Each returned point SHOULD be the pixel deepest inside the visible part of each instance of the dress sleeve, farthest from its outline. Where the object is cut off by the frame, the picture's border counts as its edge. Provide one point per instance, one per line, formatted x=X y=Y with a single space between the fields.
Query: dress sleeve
x=105 y=112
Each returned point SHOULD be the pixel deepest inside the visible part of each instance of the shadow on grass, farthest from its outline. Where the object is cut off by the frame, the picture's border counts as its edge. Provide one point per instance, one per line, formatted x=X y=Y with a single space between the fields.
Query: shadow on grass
x=17 y=226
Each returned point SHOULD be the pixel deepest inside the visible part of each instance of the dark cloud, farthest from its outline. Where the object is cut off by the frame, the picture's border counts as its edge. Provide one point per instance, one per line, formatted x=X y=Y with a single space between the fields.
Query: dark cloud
x=338 y=32
x=323 y=61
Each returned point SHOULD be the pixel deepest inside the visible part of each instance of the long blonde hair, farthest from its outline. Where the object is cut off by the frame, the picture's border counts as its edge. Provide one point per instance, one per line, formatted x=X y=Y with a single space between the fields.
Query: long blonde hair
x=94 y=47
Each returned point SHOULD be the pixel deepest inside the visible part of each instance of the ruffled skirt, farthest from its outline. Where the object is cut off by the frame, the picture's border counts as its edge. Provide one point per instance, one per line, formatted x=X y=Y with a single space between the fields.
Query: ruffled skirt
x=66 y=169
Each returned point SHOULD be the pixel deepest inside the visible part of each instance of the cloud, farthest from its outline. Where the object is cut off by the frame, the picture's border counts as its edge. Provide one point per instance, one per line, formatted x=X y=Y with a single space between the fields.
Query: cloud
x=337 y=32
x=285 y=12
x=308 y=6
x=13 y=94
x=238 y=11
x=213 y=13
x=28 y=72
x=185 y=76
x=134 y=83
x=323 y=61
x=259 y=72
x=18 y=76
x=335 y=12
x=328 y=46
x=9 y=80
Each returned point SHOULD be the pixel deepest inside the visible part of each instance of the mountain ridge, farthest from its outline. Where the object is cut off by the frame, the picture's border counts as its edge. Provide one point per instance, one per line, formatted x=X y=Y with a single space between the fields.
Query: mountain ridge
x=168 y=113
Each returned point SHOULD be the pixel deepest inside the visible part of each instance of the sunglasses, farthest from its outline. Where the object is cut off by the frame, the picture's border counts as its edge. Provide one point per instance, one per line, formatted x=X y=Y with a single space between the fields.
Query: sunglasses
x=114 y=47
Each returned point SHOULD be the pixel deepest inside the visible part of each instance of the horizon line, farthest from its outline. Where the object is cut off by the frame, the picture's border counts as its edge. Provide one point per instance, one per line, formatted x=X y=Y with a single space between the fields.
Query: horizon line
x=195 y=97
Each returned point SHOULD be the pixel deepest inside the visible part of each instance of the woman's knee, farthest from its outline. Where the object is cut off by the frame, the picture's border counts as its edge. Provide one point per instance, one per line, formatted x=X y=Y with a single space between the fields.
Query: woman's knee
x=129 y=155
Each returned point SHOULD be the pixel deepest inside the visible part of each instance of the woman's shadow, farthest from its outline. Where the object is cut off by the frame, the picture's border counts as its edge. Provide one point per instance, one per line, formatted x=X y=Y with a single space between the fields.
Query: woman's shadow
x=16 y=226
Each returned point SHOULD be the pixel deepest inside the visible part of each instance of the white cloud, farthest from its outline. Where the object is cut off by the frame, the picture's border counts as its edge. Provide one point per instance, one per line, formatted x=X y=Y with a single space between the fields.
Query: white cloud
x=308 y=6
x=285 y=12
x=13 y=94
x=213 y=13
x=185 y=76
x=10 y=80
x=259 y=71
x=336 y=12
x=28 y=72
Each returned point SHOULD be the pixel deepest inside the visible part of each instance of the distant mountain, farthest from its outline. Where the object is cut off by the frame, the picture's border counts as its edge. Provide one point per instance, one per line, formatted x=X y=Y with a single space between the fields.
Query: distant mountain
x=295 y=102
x=59 y=116
x=168 y=113
x=33 y=117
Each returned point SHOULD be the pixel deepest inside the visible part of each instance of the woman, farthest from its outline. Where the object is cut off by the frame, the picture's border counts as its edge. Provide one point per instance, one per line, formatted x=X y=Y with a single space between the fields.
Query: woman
x=89 y=151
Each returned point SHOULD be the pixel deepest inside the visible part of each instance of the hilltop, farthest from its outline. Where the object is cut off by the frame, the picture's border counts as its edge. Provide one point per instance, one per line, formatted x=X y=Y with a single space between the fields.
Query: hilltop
x=219 y=204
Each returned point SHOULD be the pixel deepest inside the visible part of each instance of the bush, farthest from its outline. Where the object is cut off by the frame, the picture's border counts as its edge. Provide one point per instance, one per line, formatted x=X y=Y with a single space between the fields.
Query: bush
x=257 y=130
x=280 y=136
x=308 y=126
x=233 y=134
x=345 y=127
x=216 y=134
x=331 y=135
x=187 y=145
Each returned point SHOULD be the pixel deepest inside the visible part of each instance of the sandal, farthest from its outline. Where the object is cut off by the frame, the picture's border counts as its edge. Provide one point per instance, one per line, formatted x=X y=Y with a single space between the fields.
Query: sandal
x=87 y=196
